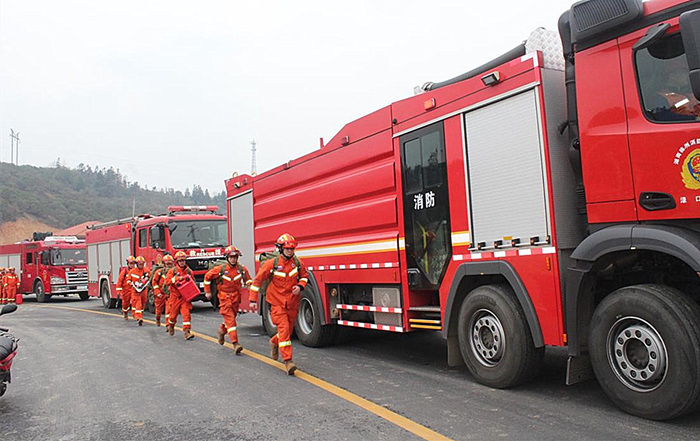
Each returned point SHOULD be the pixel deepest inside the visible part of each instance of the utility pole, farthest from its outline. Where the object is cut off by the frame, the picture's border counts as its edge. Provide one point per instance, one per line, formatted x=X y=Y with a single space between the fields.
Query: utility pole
x=14 y=141
x=253 y=167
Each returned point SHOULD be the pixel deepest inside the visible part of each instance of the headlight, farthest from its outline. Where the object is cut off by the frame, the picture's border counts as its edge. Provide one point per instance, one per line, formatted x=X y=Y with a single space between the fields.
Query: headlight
x=57 y=280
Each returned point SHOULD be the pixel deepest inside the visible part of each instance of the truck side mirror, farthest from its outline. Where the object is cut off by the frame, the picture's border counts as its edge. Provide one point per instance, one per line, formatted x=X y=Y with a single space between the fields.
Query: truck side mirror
x=690 y=33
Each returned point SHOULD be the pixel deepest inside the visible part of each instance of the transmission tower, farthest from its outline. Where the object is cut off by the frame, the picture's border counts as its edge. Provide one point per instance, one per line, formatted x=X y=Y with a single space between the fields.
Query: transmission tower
x=253 y=167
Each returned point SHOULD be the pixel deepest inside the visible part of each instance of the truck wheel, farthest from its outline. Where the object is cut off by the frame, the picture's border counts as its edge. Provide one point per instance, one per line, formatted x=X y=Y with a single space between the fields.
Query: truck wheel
x=267 y=323
x=644 y=343
x=41 y=295
x=308 y=326
x=107 y=301
x=495 y=339
x=151 y=302
x=84 y=296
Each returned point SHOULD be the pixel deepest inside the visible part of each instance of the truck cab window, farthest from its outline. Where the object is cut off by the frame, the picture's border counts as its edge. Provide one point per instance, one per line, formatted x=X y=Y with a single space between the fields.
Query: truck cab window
x=30 y=258
x=664 y=82
x=143 y=238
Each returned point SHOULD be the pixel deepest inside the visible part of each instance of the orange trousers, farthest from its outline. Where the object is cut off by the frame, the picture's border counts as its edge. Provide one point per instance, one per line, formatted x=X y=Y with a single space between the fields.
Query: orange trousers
x=9 y=294
x=126 y=301
x=228 y=308
x=284 y=319
x=2 y=294
x=162 y=305
x=178 y=306
x=137 y=304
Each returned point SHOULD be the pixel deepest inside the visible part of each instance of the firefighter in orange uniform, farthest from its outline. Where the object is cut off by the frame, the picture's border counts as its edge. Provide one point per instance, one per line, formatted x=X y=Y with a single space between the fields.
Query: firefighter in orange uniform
x=138 y=279
x=2 y=285
x=124 y=286
x=10 y=284
x=160 y=290
x=288 y=277
x=230 y=278
x=178 y=305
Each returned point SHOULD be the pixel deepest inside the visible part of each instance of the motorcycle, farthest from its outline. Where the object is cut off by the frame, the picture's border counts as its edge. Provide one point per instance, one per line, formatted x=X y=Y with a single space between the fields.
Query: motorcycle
x=8 y=350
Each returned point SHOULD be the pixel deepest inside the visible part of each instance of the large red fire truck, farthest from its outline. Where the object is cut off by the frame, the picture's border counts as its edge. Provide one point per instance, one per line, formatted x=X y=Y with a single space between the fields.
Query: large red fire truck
x=48 y=266
x=196 y=230
x=549 y=197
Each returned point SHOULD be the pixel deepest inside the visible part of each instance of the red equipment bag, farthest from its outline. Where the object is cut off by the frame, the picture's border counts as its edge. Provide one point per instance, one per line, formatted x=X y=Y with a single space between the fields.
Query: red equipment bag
x=188 y=288
x=18 y=299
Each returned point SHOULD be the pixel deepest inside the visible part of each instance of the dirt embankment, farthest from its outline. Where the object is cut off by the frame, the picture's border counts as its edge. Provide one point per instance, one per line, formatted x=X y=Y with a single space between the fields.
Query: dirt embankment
x=11 y=232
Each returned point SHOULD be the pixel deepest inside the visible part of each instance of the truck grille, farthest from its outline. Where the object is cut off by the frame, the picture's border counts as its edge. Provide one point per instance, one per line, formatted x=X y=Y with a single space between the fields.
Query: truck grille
x=201 y=263
x=77 y=277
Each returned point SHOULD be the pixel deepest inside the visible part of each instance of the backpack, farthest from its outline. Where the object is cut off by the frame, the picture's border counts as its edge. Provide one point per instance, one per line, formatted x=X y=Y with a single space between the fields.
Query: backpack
x=222 y=271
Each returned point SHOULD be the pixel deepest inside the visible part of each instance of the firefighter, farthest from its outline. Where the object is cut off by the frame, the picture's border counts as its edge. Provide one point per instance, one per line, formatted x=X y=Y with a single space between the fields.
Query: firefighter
x=288 y=277
x=10 y=284
x=230 y=278
x=138 y=279
x=160 y=289
x=2 y=285
x=675 y=100
x=178 y=305
x=124 y=286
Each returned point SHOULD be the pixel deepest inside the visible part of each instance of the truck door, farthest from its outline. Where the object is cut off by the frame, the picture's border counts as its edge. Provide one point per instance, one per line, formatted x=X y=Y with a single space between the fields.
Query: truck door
x=31 y=271
x=426 y=207
x=664 y=124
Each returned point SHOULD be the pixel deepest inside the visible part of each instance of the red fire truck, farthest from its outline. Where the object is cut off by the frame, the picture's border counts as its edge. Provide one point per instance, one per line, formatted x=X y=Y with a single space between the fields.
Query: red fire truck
x=48 y=266
x=196 y=230
x=548 y=197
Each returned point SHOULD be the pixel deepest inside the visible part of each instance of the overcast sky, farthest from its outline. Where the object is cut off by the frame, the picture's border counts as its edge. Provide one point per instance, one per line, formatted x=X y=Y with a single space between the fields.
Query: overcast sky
x=172 y=92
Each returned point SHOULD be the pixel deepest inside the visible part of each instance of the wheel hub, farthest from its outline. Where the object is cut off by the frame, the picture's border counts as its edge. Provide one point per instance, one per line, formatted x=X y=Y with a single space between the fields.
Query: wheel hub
x=488 y=338
x=637 y=354
x=306 y=316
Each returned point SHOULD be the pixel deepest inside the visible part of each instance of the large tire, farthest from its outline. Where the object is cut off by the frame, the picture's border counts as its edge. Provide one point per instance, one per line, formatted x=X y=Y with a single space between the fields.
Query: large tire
x=84 y=295
x=644 y=343
x=41 y=295
x=267 y=323
x=309 y=329
x=107 y=301
x=495 y=339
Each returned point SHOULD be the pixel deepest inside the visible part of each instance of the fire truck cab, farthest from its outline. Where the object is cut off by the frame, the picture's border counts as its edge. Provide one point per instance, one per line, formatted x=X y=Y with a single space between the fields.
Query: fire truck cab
x=51 y=265
x=196 y=230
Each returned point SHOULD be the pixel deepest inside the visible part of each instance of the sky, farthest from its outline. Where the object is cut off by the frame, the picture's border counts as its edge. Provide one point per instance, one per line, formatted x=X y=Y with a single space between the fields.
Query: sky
x=171 y=93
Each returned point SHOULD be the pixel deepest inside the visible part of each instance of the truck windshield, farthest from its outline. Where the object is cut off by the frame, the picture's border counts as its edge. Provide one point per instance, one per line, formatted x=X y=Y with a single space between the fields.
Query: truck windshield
x=68 y=256
x=198 y=234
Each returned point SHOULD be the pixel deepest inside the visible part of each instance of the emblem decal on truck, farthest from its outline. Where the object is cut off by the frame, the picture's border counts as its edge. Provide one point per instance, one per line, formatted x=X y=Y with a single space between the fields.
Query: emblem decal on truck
x=690 y=171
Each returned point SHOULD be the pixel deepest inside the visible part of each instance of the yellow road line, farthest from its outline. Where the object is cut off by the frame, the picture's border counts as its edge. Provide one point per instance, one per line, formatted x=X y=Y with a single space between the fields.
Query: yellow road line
x=382 y=412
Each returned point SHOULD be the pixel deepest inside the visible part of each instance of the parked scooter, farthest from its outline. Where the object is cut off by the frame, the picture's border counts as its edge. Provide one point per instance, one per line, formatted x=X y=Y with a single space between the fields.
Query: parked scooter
x=8 y=350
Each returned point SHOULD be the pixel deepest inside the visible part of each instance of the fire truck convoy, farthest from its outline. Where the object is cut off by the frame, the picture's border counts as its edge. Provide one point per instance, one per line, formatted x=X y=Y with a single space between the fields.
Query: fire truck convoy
x=196 y=230
x=48 y=266
x=543 y=198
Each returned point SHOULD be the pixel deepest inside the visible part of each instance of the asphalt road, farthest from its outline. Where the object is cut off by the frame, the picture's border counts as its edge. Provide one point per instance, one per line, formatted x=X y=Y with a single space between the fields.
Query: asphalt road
x=80 y=375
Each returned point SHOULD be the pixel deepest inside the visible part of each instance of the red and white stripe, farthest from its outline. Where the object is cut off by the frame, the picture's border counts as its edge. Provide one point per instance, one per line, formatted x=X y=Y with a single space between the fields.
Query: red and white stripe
x=370 y=326
x=370 y=308
x=505 y=253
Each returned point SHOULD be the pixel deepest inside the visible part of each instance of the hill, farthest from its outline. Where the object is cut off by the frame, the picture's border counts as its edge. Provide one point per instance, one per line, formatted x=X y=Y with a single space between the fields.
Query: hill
x=61 y=197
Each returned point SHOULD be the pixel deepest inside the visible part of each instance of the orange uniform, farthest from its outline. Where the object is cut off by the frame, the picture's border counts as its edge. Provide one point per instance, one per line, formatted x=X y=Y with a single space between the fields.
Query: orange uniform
x=138 y=276
x=178 y=305
x=230 y=280
x=124 y=290
x=10 y=284
x=283 y=304
x=160 y=294
x=2 y=286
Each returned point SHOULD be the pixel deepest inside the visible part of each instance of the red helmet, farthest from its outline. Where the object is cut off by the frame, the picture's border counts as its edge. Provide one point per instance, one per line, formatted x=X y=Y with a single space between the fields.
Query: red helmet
x=286 y=241
x=168 y=259
x=140 y=259
x=180 y=255
x=131 y=259
x=232 y=251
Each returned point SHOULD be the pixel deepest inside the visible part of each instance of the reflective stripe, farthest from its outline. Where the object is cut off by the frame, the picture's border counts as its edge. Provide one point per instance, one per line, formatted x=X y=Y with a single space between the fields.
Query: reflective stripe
x=304 y=279
x=167 y=315
x=233 y=328
x=254 y=288
x=293 y=272
x=280 y=274
x=225 y=277
x=138 y=310
x=156 y=286
x=185 y=323
x=135 y=276
x=119 y=289
x=285 y=343
x=237 y=277
x=173 y=279
x=207 y=282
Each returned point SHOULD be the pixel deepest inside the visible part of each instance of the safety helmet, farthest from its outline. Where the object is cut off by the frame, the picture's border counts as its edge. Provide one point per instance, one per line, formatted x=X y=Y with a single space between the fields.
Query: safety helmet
x=140 y=259
x=2 y=269
x=232 y=251
x=168 y=259
x=286 y=241
x=12 y=269
x=180 y=255
x=131 y=259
